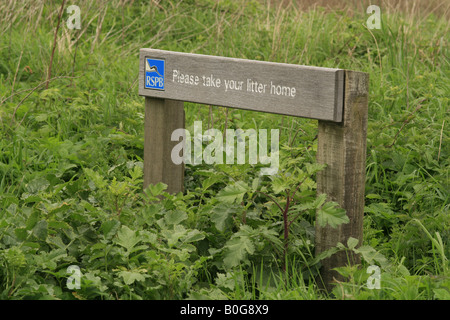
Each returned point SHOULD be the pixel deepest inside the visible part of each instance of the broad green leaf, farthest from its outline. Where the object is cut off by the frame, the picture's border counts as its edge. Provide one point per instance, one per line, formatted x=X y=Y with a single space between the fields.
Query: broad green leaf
x=441 y=294
x=148 y=237
x=332 y=215
x=226 y=281
x=346 y=271
x=32 y=220
x=182 y=254
x=130 y=277
x=237 y=249
x=403 y=270
x=57 y=206
x=37 y=185
x=109 y=228
x=208 y=182
x=193 y=236
x=21 y=234
x=98 y=245
x=28 y=197
x=57 y=254
x=280 y=184
x=157 y=189
x=173 y=235
x=318 y=202
x=15 y=257
x=270 y=235
x=255 y=183
x=341 y=246
x=175 y=217
x=55 y=225
x=138 y=248
x=367 y=252
x=233 y=193
x=30 y=244
x=48 y=260
x=127 y=238
x=95 y=281
x=221 y=215
x=12 y=209
x=352 y=243
x=96 y=178
x=57 y=241
x=313 y=168
x=324 y=254
x=370 y=255
x=40 y=230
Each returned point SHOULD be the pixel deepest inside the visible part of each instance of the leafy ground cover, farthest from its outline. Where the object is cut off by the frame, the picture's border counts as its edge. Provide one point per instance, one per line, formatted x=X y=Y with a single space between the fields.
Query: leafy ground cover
x=72 y=147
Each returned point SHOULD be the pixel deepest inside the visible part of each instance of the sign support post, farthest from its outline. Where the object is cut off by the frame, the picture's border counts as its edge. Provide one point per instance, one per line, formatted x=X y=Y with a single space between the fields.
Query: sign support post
x=162 y=117
x=342 y=146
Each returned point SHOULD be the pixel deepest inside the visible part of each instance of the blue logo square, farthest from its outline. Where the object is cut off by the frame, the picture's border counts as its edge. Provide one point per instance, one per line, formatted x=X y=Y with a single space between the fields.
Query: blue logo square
x=154 y=74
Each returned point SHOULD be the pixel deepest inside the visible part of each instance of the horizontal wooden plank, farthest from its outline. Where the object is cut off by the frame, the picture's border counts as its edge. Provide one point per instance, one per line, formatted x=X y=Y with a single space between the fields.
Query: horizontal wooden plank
x=295 y=90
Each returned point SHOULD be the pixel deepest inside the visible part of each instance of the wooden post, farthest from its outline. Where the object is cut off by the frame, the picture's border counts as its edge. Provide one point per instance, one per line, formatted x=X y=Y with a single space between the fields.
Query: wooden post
x=342 y=146
x=162 y=117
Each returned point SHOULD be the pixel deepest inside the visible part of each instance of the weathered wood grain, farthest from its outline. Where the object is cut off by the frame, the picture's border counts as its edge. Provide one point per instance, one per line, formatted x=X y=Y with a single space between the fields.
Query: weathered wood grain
x=342 y=146
x=162 y=117
x=305 y=91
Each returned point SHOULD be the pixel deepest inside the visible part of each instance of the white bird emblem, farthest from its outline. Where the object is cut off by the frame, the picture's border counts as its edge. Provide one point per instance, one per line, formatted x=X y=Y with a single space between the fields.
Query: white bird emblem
x=149 y=68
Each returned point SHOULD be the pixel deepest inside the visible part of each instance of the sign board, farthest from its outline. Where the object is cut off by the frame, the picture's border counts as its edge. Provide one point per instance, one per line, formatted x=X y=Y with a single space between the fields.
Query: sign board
x=280 y=88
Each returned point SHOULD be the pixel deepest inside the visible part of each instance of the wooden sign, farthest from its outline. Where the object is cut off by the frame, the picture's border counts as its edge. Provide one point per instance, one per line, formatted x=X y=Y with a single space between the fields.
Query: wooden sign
x=337 y=98
x=287 y=89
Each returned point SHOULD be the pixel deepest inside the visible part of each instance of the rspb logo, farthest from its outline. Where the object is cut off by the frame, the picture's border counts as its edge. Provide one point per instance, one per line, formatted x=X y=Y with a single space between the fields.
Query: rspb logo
x=154 y=74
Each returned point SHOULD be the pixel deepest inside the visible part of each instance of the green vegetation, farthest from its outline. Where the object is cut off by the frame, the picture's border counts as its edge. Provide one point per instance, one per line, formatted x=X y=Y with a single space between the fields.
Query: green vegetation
x=71 y=157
